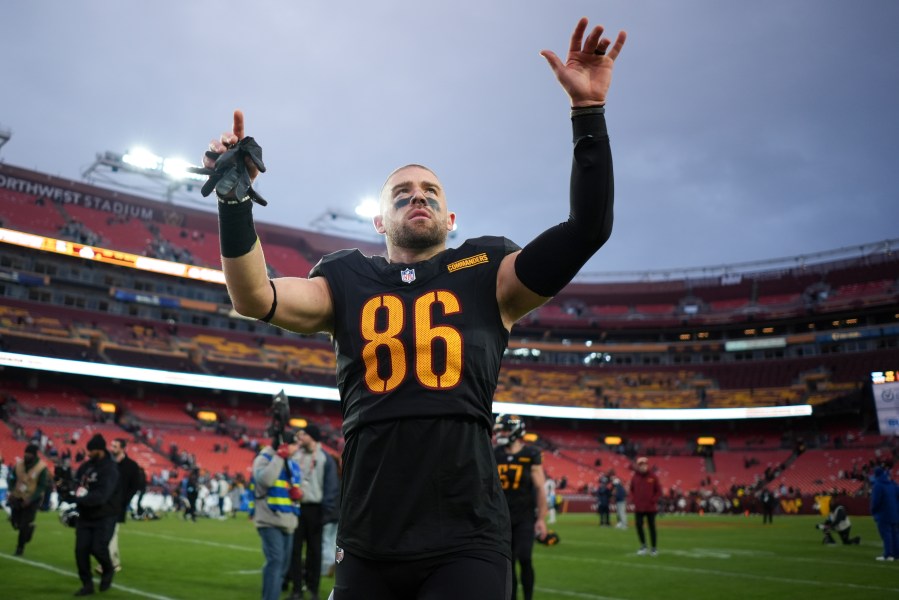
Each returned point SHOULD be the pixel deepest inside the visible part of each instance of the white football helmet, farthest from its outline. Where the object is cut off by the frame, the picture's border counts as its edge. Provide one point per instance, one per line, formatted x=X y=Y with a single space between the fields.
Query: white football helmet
x=68 y=514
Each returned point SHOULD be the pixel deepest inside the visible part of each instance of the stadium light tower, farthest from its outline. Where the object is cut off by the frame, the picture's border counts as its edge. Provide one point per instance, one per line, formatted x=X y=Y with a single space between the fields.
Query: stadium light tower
x=356 y=224
x=5 y=135
x=146 y=172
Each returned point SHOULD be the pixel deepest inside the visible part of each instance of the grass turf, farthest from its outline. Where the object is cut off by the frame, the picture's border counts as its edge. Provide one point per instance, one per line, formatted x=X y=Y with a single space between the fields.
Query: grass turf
x=710 y=557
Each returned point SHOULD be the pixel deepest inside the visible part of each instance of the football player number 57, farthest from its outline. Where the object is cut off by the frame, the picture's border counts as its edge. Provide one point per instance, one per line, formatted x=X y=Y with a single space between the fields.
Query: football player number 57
x=426 y=333
x=509 y=476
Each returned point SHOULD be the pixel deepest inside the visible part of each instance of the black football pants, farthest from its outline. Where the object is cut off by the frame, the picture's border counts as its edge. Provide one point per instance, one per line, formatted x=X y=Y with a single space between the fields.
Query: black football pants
x=473 y=575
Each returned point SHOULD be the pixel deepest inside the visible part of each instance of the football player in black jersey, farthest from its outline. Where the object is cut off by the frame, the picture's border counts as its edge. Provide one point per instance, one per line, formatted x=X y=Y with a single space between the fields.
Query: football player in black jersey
x=521 y=476
x=419 y=335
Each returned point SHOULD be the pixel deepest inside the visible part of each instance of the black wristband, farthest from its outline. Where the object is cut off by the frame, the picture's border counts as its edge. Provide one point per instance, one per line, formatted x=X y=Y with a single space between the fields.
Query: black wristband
x=237 y=231
x=271 y=311
x=588 y=110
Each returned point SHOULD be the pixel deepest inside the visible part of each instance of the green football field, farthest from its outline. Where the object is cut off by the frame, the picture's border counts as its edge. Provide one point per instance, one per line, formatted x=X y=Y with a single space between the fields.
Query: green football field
x=718 y=557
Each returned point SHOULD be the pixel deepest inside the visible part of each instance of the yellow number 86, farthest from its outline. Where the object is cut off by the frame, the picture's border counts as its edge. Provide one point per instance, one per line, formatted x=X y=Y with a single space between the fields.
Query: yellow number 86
x=426 y=333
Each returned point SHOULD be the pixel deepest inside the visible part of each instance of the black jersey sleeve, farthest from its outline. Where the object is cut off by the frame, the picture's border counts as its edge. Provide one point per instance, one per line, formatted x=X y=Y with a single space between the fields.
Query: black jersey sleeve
x=570 y=245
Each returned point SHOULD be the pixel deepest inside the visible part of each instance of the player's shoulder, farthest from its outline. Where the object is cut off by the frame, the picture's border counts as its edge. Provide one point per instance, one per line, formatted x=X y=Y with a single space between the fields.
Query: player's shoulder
x=340 y=257
x=492 y=243
x=532 y=451
x=337 y=256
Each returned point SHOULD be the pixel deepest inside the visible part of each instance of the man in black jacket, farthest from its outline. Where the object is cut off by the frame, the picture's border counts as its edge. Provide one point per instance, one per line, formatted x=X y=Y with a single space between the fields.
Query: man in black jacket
x=97 y=479
x=129 y=484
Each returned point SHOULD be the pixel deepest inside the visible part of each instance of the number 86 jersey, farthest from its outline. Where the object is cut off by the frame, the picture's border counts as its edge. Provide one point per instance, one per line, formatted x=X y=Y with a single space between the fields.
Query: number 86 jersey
x=417 y=340
x=418 y=356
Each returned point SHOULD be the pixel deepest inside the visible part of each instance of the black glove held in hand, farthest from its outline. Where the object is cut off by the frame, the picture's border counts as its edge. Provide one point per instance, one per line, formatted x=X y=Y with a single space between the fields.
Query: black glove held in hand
x=230 y=178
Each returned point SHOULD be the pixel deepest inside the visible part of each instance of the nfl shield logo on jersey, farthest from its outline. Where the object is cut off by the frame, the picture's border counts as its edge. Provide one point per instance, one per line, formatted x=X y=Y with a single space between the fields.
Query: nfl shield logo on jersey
x=407 y=275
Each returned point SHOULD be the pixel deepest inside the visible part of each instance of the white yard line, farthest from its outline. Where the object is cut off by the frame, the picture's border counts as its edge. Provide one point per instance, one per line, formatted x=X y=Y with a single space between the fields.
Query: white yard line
x=575 y=594
x=58 y=571
x=655 y=565
x=196 y=541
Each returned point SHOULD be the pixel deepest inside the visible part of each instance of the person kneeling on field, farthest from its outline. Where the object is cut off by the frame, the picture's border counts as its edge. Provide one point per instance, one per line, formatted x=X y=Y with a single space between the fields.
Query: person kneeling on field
x=838 y=520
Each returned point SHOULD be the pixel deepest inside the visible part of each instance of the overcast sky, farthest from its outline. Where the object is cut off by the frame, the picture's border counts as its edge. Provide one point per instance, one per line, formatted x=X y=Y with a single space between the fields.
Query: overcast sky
x=741 y=131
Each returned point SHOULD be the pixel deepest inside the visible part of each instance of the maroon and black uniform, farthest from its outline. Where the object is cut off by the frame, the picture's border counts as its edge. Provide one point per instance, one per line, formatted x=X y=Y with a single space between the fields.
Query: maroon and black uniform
x=518 y=485
x=418 y=356
x=521 y=495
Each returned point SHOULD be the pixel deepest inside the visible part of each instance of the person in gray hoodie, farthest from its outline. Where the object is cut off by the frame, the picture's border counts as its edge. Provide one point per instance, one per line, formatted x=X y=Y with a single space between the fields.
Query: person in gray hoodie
x=885 y=510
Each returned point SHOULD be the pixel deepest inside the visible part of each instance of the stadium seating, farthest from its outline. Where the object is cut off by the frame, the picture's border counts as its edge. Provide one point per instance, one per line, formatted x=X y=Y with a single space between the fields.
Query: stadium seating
x=25 y=212
x=834 y=317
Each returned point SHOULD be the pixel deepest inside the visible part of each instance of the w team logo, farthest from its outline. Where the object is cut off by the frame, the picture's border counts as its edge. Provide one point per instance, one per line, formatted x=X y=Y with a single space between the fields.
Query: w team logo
x=407 y=275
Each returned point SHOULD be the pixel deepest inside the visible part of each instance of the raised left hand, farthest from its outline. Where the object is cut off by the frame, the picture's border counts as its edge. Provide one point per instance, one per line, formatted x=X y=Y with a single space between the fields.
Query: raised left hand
x=586 y=73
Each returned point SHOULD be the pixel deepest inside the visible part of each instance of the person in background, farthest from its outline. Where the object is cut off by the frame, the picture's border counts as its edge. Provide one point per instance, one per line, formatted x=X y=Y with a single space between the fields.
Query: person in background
x=238 y=489
x=190 y=494
x=276 y=485
x=29 y=482
x=4 y=481
x=319 y=497
x=838 y=520
x=619 y=494
x=768 y=501
x=329 y=531
x=141 y=490
x=885 y=510
x=604 y=501
x=95 y=496
x=128 y=486
x=646 y=491
x=550 y=487
x=520 y=468
x=223 y=491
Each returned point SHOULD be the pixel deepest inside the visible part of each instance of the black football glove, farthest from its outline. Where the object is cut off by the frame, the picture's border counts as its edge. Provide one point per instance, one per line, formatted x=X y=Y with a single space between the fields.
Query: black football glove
x=230 y=178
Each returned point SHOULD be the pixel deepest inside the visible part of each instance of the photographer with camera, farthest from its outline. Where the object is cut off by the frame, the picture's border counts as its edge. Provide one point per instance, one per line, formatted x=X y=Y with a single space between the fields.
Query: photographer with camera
x=838 y=520
x=276 y=483
x=29 y=481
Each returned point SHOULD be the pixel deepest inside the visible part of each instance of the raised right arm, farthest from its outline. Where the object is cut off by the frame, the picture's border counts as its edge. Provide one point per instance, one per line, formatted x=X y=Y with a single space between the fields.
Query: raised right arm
x=293 y=303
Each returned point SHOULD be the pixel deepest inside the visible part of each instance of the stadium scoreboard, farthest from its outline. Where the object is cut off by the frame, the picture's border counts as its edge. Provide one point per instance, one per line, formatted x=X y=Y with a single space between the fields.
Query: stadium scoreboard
x=885 y=388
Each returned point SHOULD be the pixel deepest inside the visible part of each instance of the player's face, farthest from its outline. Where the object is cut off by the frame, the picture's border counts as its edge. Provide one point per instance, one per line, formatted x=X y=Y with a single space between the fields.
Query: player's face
x=413 y=209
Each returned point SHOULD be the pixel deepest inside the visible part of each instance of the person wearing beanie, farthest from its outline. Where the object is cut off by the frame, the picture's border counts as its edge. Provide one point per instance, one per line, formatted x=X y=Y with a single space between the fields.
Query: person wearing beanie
x=96 y=480
x=885 y=510
x=319 y=498
x=646 y=492
x=29 y=481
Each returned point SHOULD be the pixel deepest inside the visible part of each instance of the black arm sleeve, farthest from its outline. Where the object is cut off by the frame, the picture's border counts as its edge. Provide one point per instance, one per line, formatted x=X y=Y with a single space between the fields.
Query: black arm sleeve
x=550 y=261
